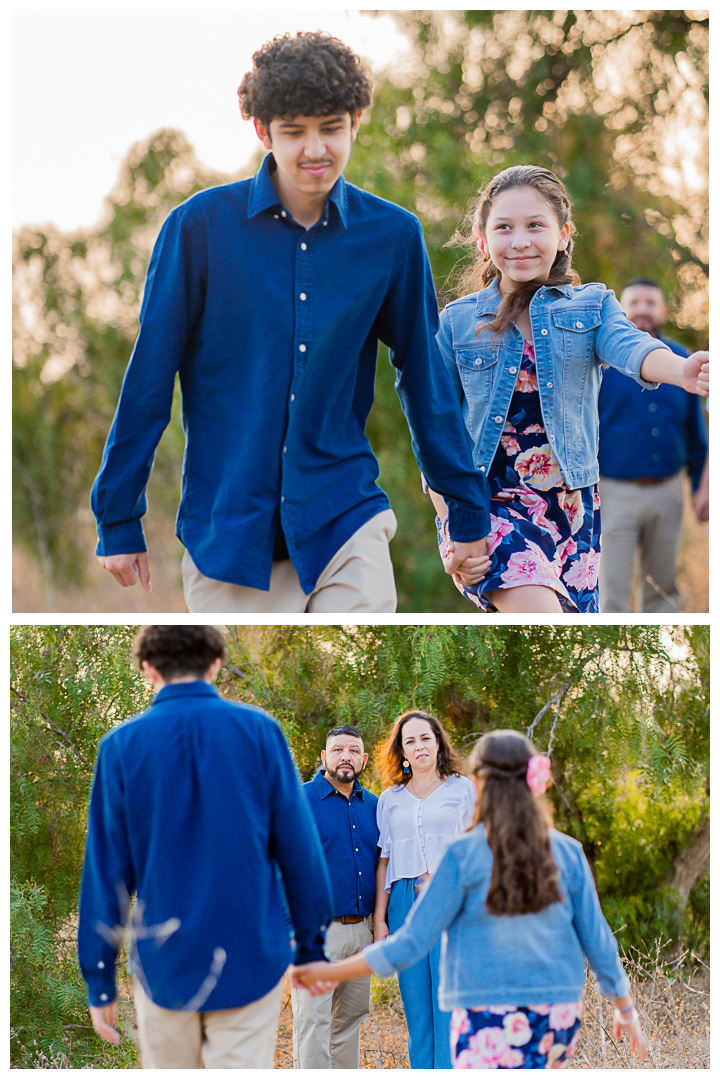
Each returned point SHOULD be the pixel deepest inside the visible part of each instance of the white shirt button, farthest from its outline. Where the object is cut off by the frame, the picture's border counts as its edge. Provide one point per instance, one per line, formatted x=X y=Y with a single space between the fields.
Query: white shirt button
x=656 y=431
x=101 y=964
x=292 y=398
x=303 y=296
x=513 y=371
x=282 y=498
x=284 y=213
x=276 y=216
x=103 y=997
x=653 y=407
x=324 y=222
x=302 y=348
x=303 y=247
x=284 y=449
x=544 y=333
x=482 y=468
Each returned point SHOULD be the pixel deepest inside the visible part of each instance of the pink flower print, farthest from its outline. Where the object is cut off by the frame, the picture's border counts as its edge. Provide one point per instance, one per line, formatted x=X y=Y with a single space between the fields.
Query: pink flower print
x=517 y=1029
x=596 y=499
x=538 y=467
x=538 y=508
x=510 y=445
x=459 y=1024
x=566 y=550
x=533 y=429
x=512 y=1059
x=571 y=503
x=583 y=574
x=499 y=529
x=464 y=1060
x=556 y=1051
x=508 y=429
x=529 y=567
x=500 y=1010
x=541 y=1010
x=564 y=1016
x=546 y=1042
x=526 y=381
x=488 y=1045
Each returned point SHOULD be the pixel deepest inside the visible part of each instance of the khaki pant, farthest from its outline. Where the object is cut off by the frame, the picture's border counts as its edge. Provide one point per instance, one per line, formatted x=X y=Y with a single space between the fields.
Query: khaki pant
x=242 y=1038
x=326 y=1030
x=359 y=577
x=645 y=519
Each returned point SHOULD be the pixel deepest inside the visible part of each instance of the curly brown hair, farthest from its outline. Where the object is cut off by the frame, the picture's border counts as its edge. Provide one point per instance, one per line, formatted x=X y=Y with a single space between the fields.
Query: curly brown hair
x=524 y=874
x=308 y=74
x=389 y=754
x=482 y=270
x=179 y=650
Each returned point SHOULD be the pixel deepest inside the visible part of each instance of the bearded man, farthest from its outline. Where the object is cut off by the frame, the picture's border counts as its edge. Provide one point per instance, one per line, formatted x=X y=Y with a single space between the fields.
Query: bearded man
x=326 y=1029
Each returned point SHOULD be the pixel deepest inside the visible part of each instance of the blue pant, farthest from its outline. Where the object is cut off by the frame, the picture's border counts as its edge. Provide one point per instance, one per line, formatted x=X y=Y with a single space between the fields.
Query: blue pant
x=428 y=1027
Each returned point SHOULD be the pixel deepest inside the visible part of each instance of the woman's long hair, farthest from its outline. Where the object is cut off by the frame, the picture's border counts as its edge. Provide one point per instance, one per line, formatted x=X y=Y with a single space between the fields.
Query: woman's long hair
x=389 y=755
x=482 y=270
x=524 y=873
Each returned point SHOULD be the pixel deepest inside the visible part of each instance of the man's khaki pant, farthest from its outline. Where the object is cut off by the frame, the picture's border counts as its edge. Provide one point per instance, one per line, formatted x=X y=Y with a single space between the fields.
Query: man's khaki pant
x=241 y=1038
x=359 y=577
x=326 y=1030
x=645 y=519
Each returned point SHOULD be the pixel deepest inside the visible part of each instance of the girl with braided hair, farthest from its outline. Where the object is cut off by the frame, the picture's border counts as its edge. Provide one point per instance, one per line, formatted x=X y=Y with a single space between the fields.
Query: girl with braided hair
x=525 y=345
x=515 y=904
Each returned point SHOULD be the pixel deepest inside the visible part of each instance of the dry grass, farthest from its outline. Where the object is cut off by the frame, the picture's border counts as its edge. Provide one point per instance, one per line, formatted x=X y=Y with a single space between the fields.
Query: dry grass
x=672 y=999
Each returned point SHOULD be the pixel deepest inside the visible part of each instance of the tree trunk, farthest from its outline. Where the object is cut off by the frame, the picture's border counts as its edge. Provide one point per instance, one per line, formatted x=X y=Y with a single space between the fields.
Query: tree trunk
x=691 y=865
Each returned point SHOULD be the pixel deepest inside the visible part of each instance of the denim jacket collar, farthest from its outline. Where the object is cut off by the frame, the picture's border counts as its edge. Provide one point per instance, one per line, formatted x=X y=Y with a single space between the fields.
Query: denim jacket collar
x=489 y=299
x=263 y=195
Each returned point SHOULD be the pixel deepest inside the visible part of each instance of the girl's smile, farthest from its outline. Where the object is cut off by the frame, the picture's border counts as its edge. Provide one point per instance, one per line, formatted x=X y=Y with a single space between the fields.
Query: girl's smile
x=523 y=236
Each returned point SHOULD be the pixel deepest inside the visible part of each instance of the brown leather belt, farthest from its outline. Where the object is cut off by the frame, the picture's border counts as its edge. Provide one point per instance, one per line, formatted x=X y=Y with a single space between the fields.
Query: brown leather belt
x=649 y=481
x=344 y=919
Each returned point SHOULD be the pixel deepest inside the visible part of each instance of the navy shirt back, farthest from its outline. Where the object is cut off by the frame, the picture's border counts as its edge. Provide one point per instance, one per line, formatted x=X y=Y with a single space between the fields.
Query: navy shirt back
x=274 y=332
x=195 y=805
x=349 y=833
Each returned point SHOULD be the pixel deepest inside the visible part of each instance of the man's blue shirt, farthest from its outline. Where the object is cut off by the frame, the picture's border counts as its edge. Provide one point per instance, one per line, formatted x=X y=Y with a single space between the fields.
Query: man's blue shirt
x=349 y=833
x=650 y=435
x=195 y=805
x=274 y=330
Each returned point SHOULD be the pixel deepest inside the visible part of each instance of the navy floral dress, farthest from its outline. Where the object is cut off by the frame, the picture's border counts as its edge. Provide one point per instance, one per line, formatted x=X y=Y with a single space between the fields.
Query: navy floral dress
x=541 y=533
x=512 y=1037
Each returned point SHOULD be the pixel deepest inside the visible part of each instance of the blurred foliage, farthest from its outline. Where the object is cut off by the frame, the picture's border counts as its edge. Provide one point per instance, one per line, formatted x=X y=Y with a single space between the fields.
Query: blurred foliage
x=624 y=709
x=614 y=101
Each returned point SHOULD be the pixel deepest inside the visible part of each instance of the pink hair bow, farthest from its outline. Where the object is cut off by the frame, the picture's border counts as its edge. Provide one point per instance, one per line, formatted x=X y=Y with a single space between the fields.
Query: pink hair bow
x=538 y=773
x=476 y=232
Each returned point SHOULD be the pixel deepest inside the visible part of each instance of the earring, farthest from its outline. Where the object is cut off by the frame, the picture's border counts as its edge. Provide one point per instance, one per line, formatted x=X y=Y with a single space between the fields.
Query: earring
x=407 y=771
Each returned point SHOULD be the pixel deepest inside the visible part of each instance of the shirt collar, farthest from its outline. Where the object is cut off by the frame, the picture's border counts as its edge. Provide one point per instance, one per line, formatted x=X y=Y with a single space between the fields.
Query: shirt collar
x=263 y=195
x=325 y=788
x=488 y=300
x=198 y=688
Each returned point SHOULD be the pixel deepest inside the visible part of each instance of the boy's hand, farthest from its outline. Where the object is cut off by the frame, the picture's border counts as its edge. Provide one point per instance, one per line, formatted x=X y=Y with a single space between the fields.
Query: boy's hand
x=312 y=977
x=127 y=569
x=105 y=1026
x=696 y=374
x=469 y=563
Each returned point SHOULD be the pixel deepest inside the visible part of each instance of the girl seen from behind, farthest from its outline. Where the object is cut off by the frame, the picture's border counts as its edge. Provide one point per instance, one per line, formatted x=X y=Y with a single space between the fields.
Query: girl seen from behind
x=526 y=354
x=515 y=904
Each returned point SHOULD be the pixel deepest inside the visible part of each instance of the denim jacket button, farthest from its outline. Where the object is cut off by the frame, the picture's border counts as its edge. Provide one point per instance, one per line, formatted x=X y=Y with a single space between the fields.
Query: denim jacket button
x=478 y=362
x=498 y=419
x=513 y=370
x=544 y=333
x=482 y=468
x=550 y=386
x=579 y=325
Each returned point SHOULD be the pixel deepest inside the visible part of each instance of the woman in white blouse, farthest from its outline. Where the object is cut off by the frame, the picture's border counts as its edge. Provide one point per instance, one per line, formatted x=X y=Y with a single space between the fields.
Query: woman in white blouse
x=428 y=802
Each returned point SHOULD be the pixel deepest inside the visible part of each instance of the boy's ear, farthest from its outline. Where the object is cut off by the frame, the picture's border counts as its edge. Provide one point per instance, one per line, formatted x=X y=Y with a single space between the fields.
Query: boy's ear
x=355 y=125
x=263 y=134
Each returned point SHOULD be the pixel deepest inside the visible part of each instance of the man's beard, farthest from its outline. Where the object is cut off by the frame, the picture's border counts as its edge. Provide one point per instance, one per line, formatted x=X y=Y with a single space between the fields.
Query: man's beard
x=646 y=323
x=345 y=778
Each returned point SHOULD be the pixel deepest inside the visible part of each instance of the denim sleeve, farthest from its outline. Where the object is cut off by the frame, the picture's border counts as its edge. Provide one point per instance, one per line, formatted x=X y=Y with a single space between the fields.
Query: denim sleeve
x=429 y=916
x=296 y=847
x=172 y=304
x=407 y=323
x=592 y=929
x=107 y=878
x=696 y=439
x=447 y=352
x=620 y=344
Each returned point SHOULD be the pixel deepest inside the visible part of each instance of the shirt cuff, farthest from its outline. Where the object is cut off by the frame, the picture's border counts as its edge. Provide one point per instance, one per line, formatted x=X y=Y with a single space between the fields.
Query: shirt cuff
x=124 y=538
x=102 y=991
x=374 y=955
x=466 y=526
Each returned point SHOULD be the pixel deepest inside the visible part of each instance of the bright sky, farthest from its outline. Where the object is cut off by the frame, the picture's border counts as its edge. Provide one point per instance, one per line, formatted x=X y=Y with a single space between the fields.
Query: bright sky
x=88 y=84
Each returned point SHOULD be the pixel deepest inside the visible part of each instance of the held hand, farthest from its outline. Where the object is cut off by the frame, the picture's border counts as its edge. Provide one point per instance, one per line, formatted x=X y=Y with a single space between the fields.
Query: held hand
x=634 y=1032
x=468 y=562
x=696 y=374
x=312 y=977
x=380 y=930
x=127 y=569
x=105 y=1025
x=701 y=504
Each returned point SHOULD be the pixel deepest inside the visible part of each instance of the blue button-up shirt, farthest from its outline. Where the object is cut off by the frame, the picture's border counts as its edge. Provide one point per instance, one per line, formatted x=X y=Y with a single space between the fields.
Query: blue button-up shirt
x=349 y=833
x=650 y=434
x=195 y=805
x=274 y=332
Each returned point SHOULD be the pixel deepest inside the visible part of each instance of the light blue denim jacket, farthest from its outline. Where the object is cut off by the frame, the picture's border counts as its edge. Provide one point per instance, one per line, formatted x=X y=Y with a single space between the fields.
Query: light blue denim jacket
x=505 y=959
x=576 y=329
